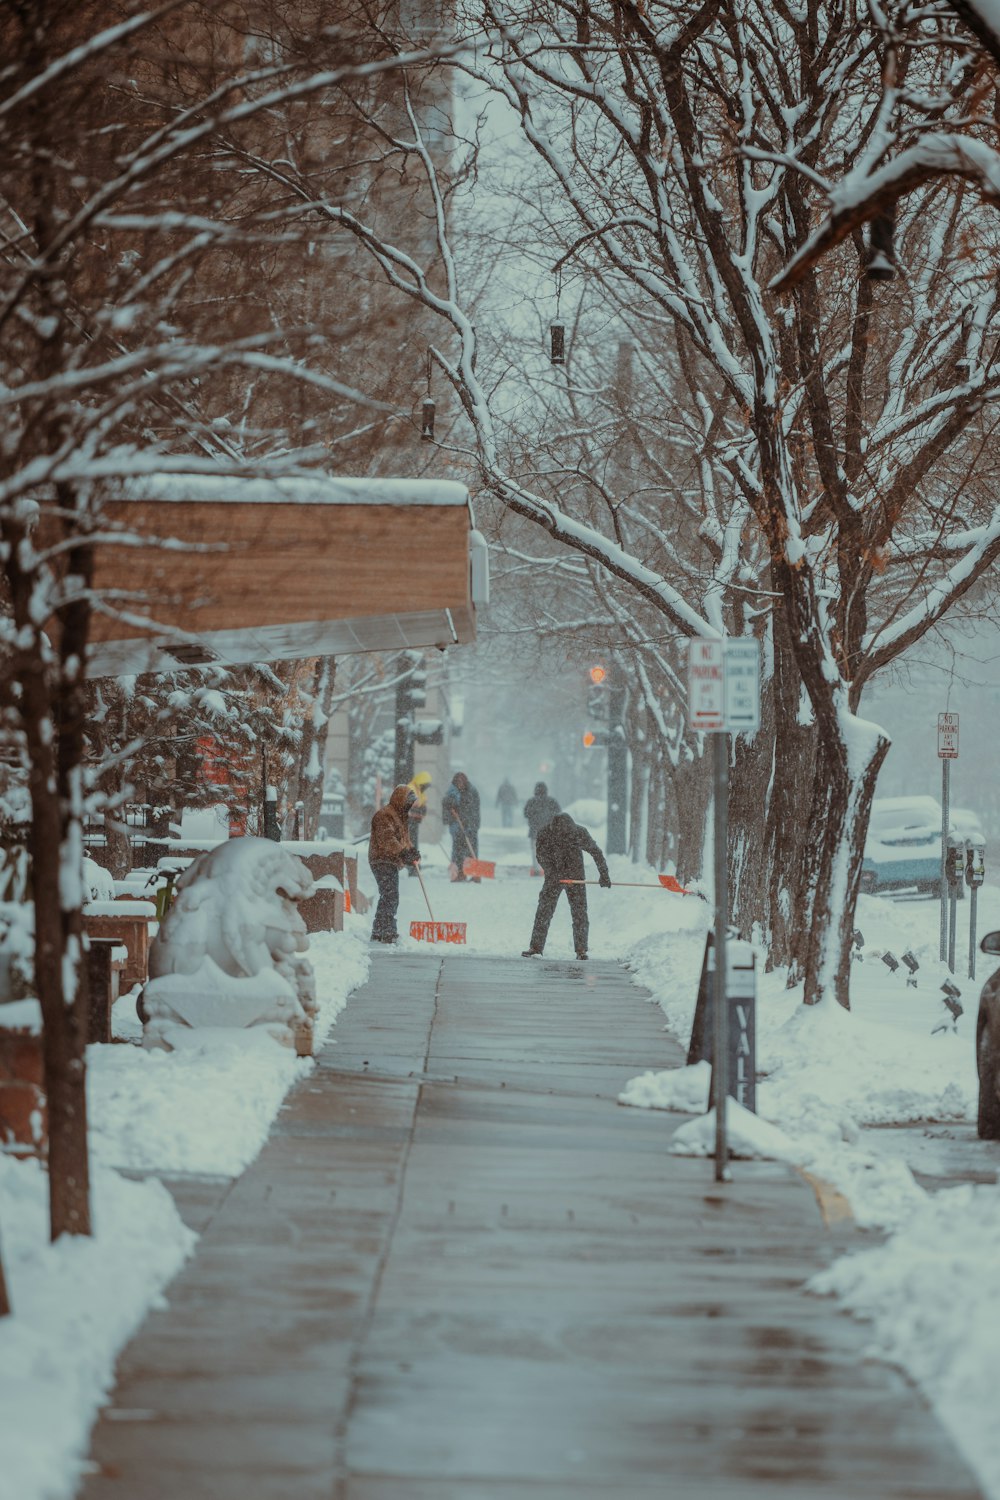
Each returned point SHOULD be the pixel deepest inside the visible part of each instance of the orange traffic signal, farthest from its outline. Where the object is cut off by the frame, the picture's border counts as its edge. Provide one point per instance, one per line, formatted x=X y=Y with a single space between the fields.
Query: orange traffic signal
x=597 y=674
x=588 y=738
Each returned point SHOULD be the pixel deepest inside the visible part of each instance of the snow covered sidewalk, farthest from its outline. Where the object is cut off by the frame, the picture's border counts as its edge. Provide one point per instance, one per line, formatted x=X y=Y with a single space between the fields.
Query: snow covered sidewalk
x=458 y=1266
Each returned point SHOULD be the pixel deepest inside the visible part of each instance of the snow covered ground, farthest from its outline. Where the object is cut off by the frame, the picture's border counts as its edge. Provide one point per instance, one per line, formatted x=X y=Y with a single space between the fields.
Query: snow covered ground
x=207 y=1109
x=929 y=1288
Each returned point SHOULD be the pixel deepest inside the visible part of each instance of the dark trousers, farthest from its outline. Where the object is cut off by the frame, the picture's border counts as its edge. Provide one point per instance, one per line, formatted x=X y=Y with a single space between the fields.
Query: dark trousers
x=548 y=897
x=460 y=849
x=387 y=880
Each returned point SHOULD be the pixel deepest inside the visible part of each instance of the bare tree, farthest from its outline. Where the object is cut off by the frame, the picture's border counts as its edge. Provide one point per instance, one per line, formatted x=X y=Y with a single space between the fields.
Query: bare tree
x=149 y=319
x=834 y=428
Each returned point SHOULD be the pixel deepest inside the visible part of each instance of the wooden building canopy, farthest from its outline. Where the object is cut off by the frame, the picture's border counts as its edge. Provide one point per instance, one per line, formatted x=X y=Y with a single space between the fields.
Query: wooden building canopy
x=195 y=568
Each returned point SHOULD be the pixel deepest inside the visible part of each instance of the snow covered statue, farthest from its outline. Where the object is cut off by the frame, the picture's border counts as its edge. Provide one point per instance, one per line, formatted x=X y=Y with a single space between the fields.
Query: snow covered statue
x=230 y=950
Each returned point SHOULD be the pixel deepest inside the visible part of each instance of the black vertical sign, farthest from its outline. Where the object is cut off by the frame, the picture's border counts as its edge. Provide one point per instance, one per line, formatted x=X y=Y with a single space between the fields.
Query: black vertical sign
x=742 y=1029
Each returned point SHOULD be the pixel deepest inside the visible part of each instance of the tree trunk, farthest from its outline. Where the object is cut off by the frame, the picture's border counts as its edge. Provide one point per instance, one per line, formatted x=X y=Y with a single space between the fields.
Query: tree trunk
x=312 y=749
x=58 y=953
x=692 y=781
x=847 y=767
x=750 y=782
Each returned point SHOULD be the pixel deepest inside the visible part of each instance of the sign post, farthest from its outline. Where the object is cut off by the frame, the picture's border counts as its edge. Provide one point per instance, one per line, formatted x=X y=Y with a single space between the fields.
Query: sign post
x=723 y=696
x=947 y=752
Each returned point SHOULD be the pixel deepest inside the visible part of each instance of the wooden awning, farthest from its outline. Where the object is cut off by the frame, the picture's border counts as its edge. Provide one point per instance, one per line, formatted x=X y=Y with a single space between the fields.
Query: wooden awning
x=200 y=569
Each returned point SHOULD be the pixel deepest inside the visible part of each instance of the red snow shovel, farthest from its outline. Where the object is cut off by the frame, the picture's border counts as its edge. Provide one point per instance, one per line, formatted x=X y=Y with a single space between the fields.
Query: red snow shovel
x=435 y=932
x=474 y=867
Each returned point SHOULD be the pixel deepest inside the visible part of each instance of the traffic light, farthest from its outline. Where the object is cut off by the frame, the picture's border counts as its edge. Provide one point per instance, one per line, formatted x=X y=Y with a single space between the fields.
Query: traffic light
x=411 y=694
x=597 y=696
x=412 y=691
x=606 y=702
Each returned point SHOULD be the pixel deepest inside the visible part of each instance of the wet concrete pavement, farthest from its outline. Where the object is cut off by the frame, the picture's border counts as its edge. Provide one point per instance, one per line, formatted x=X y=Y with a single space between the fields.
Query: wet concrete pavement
x=459 y=1271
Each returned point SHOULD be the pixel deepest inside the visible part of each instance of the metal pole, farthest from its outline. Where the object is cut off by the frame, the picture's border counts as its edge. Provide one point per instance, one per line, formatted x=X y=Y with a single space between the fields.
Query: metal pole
x=945 y=822
x=973 y=897
x=952 y=914
x=616 y=837
x=720 y=1038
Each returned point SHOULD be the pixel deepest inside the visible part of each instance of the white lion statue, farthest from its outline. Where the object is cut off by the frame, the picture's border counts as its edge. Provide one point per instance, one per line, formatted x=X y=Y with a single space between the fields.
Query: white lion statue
x=229 y=951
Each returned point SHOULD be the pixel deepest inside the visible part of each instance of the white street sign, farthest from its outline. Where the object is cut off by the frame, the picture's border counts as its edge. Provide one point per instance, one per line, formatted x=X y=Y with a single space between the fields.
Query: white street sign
x=706 y=687
x=948 y=736
x=742 y=686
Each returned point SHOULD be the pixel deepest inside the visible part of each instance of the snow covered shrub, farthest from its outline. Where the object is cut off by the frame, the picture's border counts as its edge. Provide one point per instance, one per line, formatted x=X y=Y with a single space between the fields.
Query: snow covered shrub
x=230 y=951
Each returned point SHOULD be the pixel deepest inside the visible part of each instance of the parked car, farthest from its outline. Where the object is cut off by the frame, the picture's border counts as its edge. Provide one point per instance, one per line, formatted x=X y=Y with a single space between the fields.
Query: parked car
x=903 y=846
x=988 y=1047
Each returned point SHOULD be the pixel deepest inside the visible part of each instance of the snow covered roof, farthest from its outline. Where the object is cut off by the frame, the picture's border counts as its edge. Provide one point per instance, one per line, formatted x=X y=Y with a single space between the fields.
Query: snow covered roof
x=314 y=489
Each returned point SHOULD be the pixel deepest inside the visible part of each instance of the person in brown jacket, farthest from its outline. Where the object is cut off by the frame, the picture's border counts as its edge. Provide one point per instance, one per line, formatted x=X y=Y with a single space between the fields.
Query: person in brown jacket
x=389 y=849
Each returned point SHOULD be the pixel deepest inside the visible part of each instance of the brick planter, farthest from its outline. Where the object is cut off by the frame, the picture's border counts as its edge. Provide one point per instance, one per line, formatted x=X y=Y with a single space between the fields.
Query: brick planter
x=323 y=911
x=130 y=927
x=24 y=1120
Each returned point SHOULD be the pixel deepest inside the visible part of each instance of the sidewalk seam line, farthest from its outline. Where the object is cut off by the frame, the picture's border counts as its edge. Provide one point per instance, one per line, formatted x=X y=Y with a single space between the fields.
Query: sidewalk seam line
x=340 y=1433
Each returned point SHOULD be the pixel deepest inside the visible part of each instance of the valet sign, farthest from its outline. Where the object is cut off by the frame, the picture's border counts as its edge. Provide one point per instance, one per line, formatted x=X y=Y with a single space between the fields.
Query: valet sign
x=724 y=686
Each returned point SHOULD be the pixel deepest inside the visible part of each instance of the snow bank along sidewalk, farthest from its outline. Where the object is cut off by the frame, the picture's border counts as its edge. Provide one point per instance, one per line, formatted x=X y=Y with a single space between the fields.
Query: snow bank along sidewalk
x=206 y=1109
x=931 y=1289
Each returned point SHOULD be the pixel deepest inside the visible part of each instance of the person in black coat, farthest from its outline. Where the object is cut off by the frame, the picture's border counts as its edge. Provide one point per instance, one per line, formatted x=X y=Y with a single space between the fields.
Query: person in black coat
x=539 y=810
x=561 y=846
x=460 y=810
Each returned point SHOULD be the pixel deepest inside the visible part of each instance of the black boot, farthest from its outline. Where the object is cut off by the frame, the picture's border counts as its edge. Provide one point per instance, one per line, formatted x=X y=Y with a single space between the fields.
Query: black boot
x=532 y=953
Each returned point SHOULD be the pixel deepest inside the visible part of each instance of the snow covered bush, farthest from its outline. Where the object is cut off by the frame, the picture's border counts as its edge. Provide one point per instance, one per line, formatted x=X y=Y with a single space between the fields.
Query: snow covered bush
x=230 y=951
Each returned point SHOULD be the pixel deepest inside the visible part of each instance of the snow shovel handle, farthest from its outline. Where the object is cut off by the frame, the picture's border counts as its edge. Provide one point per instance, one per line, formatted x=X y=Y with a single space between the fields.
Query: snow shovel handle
x=465 y=836
x=638 y=885
x=424 y=889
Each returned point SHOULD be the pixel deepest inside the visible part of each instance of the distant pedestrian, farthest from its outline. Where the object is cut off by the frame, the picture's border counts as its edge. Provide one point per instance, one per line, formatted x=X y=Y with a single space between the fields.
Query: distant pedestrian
x=561 y=847
x=507 y=800
x=539 y=810
x=418 y=812
x=460 y=810
x=389 y=849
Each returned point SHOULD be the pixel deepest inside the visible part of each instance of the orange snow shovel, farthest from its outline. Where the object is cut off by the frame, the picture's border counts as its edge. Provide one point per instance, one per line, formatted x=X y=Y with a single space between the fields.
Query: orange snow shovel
x=474 y=867
x=667 y=883
x=435 y=932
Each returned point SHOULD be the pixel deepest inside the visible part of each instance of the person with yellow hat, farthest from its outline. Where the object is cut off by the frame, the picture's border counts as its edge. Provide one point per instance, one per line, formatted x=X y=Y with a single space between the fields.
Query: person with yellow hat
x=418 y=810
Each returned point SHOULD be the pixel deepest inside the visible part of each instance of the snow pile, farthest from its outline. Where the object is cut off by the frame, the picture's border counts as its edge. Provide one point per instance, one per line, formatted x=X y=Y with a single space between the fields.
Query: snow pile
x=932 y=1295
x=75 y=1304
x=931 y=1291
x=205 y=1109
x=207 y=1106
x=229 y=950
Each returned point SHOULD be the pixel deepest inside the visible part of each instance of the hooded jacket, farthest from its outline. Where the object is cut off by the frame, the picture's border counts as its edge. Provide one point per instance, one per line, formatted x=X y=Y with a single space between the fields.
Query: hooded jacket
x=390 y=836
x=419 y=785
x=461 y=797
x=561 y=847
x=540 y=809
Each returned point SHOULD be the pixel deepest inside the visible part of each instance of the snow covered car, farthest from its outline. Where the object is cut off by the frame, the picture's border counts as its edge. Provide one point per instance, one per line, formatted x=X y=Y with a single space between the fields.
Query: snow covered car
x=988 y=1047
x=903 y=847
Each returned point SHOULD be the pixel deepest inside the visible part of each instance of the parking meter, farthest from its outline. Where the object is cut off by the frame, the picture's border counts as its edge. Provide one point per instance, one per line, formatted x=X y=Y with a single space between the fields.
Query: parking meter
x=954 y=862
x=975 y=874
x=975 y=865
